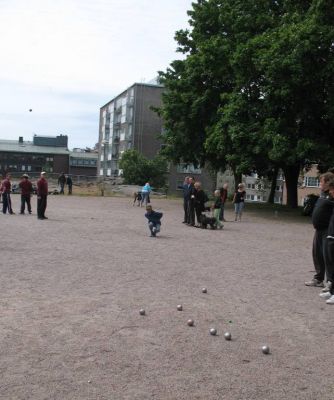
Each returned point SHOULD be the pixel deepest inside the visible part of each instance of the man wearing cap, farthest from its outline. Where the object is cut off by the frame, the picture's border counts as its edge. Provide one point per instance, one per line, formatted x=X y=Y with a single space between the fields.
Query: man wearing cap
x=42 y=194
x=6 y=188
x=26 y=191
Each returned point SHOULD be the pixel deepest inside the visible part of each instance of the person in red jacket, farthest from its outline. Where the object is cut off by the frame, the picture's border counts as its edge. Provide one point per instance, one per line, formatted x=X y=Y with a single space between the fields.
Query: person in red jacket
x=42 y=194
x=6 y=188
x=26 y=190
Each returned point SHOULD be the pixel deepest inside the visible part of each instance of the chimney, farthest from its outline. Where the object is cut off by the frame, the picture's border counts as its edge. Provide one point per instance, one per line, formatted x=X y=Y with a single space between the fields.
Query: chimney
x=20 y=139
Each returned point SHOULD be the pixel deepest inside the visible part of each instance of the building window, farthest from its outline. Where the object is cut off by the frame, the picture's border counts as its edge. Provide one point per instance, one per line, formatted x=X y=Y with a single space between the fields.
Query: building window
x=188 y=169
x=311 y=181
x=23 y=168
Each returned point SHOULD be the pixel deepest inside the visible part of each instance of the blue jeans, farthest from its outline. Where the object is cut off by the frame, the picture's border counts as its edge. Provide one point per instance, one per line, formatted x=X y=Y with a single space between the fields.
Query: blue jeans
x=154 y=228
x=144 y=198
x=238 y=207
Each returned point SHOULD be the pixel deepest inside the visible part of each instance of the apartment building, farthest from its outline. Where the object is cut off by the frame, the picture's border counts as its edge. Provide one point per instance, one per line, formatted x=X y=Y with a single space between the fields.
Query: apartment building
x=257 y=188
x=128 y=122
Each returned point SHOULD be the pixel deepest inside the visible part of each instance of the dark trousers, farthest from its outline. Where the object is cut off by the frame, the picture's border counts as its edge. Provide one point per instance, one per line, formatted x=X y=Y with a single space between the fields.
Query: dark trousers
x=62 y=188
x=191 y=212
x=330 y=262
x=41 y=206
x=185 y=208
x=221 y=213
x=6 y=203
x=319 y=254
x=69 y=189
x=198 y=211
x=25 y=199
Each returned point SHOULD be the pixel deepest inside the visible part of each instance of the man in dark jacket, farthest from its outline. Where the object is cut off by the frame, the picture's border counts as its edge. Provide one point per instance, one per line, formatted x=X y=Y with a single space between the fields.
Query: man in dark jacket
x=42 y=195
x=320 y=218
x=329 y=295
x=154 y=220
x=61 y=182
x=185 y=188
x=6 y=188
x=26 y=190
x=191 y=202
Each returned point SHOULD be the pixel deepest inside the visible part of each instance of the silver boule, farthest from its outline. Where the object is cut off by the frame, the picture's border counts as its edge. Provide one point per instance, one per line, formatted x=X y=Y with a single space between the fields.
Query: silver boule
x=213 y=331
x=190 y=322
x=179 y=307
x=204 y=290
x=265 y=349
x=227 y=336
x=142 y=311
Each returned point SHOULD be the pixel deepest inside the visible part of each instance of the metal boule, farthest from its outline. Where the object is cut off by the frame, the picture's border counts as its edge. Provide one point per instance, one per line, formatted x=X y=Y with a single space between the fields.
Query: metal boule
x=227 y=336
x=265 y=349
x=142 y=311
x=179 y=307
x=190 y=322
x=213 y=331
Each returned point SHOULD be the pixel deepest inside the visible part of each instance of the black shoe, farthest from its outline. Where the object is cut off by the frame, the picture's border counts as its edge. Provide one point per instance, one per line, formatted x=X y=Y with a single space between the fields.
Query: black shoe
x=45 y=218
x=21 y=212
x=29 y=212
x=40 y=218
x=11 y=213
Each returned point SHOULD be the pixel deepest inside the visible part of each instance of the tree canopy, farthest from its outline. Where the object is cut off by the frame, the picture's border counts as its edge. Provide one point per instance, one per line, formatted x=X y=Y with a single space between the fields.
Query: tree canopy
x=255 y=89
x=137 y=169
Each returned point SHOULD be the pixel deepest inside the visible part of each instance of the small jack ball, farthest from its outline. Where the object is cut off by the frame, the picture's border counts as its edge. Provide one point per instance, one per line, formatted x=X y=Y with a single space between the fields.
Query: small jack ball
x=204 y=290
x=179 y=307
x=213 y=331
x=265 y=350
x=227 y=336
x=190 y=322
x=142 y=311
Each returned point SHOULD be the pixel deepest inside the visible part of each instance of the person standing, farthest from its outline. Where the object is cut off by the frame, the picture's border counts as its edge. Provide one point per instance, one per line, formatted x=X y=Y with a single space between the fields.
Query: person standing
x=223 y=196
x=26 y=191
x=320 y=218
x=185 y=188
x=42 y=195
x=191 y=202
x=216 y=209
x=61 y=182
x=69 y=183
x=239 y=201
x=6 y=188
x=200 y=199
x=328 y=292
x=145 y=194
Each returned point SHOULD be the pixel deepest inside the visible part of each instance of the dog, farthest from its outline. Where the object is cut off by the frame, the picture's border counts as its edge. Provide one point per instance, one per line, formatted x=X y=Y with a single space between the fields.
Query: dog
x=137 y=197
x=205 y=221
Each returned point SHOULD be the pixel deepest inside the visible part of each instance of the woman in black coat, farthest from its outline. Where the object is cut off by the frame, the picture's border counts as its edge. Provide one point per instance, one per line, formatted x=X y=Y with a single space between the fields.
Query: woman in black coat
x=200 y=199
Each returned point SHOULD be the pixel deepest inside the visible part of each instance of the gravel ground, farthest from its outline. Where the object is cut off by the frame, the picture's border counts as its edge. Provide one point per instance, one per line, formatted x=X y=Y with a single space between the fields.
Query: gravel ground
x=71 y=289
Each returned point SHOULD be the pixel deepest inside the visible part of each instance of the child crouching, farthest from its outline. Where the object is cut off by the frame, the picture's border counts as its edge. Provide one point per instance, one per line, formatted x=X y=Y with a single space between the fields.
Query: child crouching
x=154 y=222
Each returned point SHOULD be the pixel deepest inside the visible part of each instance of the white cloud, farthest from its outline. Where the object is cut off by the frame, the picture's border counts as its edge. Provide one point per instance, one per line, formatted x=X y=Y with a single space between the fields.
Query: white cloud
x=51 y=50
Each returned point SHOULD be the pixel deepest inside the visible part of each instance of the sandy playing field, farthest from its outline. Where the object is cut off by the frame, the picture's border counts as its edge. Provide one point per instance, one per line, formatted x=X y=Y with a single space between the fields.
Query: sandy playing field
x=71 y=288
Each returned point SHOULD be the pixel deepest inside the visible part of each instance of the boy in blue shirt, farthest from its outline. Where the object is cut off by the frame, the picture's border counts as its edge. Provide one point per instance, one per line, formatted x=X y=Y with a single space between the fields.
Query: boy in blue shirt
x=154 y=218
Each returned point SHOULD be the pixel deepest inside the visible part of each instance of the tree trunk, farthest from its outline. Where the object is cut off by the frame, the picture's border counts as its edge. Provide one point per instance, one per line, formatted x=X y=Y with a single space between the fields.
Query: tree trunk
x=291 y=174
x=271 y=197
x=237 y=179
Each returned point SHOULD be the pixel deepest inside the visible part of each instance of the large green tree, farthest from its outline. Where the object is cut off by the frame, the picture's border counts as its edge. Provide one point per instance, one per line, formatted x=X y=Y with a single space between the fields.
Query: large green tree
x=138 y=169
x=255 y=90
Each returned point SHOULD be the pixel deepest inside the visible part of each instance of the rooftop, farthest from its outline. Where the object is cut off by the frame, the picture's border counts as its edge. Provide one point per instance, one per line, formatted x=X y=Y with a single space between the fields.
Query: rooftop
x=15 y=146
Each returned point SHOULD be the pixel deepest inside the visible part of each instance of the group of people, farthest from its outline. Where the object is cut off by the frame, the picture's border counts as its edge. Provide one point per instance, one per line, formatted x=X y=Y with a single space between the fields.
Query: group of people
x=26 y=189
x=195 y=199
x=323 y=241
x=65 y=180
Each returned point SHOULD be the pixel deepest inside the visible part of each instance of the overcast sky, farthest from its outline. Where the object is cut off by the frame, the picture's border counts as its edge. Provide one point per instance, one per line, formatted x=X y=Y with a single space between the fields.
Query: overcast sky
x=65 y=59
